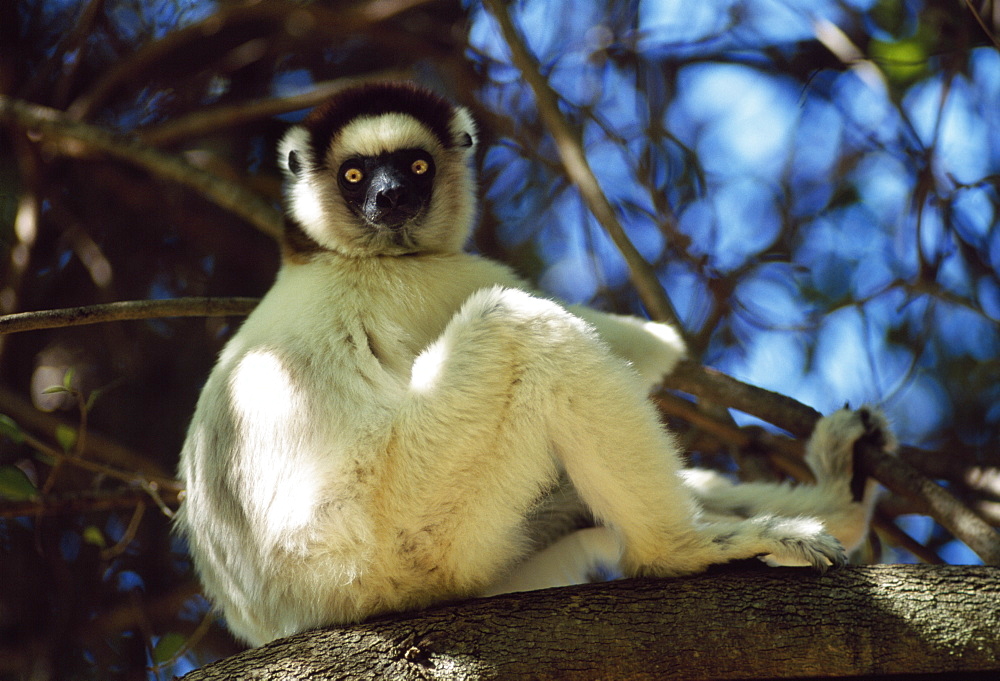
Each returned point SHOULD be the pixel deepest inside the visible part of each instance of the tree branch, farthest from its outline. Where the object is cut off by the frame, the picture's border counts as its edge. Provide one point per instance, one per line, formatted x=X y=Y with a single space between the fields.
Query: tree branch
x=83 y=502
x=884 y=526
x=788 y=414
x=982 y=24
x=75 y=139
x=214 y=119
x=230 y=26
x=126 y=310
x=765 y=623
x=569 y=144
x=952 y=514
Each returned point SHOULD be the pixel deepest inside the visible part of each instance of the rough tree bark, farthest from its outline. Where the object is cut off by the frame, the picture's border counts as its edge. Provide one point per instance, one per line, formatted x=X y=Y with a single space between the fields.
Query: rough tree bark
x=734 y=623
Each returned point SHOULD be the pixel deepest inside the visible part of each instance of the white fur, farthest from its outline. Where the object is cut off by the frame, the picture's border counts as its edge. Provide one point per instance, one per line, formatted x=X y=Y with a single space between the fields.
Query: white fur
x=570 y=560
x=374 y=135
x=327 y=483
x=380 y=430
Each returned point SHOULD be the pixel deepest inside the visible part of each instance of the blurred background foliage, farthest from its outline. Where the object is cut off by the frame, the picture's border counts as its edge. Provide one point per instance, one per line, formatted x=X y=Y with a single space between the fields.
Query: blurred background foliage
x=816 y=183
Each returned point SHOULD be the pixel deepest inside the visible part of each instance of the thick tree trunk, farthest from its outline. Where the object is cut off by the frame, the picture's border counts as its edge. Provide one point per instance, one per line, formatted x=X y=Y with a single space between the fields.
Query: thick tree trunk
x=735 y=623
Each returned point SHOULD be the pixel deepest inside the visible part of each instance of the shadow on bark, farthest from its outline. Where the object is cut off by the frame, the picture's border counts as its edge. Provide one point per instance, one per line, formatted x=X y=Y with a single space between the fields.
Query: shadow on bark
x=734 y=623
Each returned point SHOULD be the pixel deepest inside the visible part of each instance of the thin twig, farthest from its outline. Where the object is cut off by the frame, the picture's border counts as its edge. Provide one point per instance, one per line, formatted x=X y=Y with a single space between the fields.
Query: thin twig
x=118 y=617
x=80 y=440
x=144 y=481
x=76 y=43
x=155 y=492
x=569 y=144
x=213 y=119
x=84 y=501
x=55 y=68
x=982 y=24
x=193 y=640
x=128 y=535
x=76 y=139
x=126 y=310
x=896 y=536
x=154 y=487
x=231 y=25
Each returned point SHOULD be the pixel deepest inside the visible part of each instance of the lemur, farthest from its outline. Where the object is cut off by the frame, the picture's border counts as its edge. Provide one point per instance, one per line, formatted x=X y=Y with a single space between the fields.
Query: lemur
x=401 y=423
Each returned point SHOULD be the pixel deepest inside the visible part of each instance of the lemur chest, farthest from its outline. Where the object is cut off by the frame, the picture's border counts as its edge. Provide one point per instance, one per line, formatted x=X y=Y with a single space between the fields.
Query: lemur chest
x=395 y=334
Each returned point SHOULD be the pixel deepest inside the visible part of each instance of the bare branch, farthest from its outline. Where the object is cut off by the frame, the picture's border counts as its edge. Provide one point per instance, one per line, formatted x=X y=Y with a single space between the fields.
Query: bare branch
x=982 y=24
x=788 y=414
x=44 y=75
x=785 y=454
x=161 y=607
x=76 y=139
x=232 y=25
x=126 y=310
x=568 y=142
x=82 y=502
x=952 y=514
x=86 y=501
x=212 y=119
x=892 y=532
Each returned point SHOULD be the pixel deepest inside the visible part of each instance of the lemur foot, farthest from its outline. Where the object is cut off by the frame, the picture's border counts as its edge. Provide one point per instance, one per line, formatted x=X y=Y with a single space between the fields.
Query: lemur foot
x=775 y=539
x=799 y=541
x=830 y=450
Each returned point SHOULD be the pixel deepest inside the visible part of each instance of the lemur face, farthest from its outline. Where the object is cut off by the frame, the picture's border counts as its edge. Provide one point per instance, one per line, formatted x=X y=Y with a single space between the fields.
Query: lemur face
x=390 y=189
x=380 y=170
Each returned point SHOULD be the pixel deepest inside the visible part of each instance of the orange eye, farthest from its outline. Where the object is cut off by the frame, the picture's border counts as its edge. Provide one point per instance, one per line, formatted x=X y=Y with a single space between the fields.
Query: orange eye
x=419 y=167
x=353 y=175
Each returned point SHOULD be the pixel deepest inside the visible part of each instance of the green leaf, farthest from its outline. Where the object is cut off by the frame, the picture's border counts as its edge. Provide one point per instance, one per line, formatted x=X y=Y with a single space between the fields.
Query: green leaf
x=902 y=61
x=167 y=647
x=9 y=428
x=15 y=485
x=93 y=535
x=66 y=437
x=68 y=378
x=89 y=404
x=55 y=389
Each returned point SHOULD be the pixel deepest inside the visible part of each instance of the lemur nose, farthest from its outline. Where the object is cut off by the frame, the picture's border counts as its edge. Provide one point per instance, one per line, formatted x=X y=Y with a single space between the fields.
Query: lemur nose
x=388 y=196
x=390 y=201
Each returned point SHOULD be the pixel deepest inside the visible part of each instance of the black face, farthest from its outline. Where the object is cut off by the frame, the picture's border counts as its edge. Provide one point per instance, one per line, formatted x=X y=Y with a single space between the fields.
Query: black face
x=390 y=189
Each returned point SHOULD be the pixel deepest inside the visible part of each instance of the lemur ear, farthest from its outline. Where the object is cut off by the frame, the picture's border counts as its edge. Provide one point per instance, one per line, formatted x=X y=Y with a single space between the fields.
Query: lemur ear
x=293 y=153
x=293 y=163
x=463 y=128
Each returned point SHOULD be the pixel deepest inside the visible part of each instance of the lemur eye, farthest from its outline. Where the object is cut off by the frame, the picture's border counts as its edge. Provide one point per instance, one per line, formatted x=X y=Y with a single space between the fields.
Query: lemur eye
x=419 y=167
x=353 y=175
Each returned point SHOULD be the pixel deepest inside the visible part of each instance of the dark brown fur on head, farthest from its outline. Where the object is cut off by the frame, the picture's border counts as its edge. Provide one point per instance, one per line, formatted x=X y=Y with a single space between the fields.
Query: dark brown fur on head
x=374 y=99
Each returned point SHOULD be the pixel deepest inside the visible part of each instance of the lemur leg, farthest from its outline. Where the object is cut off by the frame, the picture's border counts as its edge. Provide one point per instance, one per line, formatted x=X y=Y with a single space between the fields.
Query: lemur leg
x=842 y=500
x=570 y=560
x=563 y=392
